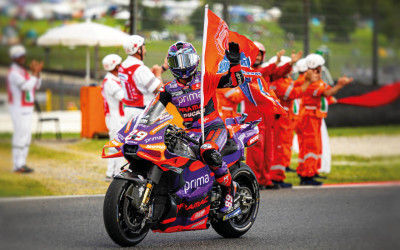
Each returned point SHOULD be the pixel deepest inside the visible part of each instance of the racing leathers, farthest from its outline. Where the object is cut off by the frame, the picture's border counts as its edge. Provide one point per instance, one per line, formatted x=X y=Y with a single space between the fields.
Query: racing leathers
x=187 y=99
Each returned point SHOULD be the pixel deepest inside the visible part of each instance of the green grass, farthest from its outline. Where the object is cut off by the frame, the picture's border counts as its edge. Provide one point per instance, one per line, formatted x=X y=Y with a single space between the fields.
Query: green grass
x=353 y=169
x=14 y=185
x=362 y=131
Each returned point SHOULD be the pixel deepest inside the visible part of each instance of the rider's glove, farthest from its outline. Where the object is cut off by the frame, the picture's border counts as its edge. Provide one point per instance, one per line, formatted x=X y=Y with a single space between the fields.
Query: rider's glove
x=233 y=54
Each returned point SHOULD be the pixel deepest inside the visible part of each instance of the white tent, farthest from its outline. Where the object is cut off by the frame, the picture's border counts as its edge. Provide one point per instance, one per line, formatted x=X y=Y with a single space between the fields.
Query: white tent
x=83 y=34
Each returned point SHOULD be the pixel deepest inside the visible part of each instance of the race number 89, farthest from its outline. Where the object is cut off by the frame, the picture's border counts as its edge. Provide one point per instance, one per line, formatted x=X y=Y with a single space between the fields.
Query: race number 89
x=140 y=135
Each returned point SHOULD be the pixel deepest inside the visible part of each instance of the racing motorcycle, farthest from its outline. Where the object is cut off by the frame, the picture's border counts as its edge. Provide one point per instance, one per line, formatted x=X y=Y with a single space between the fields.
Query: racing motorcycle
x=166 y=188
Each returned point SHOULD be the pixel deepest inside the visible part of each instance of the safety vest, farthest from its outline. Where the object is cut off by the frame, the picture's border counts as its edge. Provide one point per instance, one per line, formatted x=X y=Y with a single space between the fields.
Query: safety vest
x=105 y=103
x=27 y=96
x=133 y=97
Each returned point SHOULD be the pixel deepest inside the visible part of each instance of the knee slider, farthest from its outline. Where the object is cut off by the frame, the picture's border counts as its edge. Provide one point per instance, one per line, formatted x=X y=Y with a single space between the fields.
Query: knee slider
x=212 y=157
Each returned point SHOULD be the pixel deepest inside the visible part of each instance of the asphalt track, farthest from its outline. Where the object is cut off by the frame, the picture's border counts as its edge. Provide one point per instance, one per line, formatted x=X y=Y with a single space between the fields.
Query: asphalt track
x=317 y=218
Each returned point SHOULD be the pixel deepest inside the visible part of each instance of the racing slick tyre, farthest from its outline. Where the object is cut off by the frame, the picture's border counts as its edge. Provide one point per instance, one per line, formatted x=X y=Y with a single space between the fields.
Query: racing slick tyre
x=122 y=222
x=250 y=197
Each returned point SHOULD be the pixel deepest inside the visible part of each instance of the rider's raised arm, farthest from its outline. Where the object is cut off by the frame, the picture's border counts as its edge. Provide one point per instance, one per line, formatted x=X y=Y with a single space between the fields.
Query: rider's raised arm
x=164 y=96
x=234 y=77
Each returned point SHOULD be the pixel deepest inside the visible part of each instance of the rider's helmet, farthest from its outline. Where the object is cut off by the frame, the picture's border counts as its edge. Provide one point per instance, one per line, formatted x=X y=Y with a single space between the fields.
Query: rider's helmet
x=182 y=59
x=301 y=65
x=314 y=61
x=132 y=44
x=111 y=61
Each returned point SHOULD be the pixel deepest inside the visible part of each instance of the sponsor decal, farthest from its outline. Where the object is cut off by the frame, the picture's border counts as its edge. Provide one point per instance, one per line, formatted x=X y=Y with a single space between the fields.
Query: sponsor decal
x=153 y=146
x=190 y=108
x=233 y=214
x=194 y=205
x=197 y=182
x=200 y=214
x=198 y=224
x=153 y=139
x=177 y=93
x=196 y=86
x=144 y=120
x=253 y=139
x=189 y=97
x=159 y=127
x=192 y=114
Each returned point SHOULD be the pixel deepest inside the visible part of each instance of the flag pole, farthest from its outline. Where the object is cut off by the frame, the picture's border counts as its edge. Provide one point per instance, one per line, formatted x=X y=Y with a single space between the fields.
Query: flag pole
x=203 y=69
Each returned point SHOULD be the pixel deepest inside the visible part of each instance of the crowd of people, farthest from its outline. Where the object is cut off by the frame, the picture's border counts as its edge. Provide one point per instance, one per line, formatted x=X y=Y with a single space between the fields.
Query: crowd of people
x=129 y=85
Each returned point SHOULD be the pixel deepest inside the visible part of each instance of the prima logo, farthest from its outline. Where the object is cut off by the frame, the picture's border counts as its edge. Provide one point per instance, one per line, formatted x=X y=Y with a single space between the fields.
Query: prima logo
x=197 y=182
x=153 y=139
x=190 y=97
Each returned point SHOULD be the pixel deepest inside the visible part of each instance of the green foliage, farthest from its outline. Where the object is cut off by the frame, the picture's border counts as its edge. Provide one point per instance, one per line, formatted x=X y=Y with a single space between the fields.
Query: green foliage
x=292 y=18
x=197 y=21
x=339 y=20
x=152 y=18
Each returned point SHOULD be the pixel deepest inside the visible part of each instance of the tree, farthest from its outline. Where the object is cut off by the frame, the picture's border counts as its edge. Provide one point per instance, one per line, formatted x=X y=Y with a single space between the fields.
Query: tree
x=152 y=18
x=292 y=17
x=340 y=19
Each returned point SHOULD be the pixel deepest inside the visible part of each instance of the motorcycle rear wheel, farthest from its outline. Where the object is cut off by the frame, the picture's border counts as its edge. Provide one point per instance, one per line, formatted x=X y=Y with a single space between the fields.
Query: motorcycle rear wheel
x=122 y=223
x=239 y=225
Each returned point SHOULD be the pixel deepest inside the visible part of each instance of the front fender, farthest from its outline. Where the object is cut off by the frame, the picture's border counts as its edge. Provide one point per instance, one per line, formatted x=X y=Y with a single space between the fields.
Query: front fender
x=128 y=175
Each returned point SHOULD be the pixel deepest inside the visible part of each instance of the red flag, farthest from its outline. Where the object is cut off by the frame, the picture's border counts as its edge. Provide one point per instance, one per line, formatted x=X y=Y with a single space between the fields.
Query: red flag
x=380 y=97
x=215 y=64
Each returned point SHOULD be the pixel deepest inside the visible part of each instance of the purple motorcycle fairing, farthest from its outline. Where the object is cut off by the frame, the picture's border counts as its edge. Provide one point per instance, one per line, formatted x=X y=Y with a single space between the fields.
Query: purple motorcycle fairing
x=193 y=199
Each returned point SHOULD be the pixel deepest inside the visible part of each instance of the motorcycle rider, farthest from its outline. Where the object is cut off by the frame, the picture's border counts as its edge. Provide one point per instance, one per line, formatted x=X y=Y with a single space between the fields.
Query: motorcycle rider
x=185 y=93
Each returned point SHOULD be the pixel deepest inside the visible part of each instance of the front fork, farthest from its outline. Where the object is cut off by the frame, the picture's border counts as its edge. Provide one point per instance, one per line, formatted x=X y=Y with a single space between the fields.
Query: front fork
x=144 y=206
x=153 y=176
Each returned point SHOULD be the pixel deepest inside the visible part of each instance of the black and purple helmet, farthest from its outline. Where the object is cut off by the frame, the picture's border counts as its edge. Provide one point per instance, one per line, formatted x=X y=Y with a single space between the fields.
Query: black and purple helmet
x=182 y=59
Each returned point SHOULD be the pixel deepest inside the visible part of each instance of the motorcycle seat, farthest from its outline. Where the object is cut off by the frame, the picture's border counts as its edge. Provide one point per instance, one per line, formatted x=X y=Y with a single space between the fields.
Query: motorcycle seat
x=229 y=148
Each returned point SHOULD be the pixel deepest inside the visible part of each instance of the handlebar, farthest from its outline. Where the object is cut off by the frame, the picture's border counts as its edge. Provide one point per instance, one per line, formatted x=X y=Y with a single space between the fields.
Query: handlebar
x=190 y=139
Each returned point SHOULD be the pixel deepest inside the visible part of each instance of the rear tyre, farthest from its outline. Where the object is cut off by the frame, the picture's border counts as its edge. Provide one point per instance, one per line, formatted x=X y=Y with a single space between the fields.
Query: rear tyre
x=122 y=222
x=239 y=225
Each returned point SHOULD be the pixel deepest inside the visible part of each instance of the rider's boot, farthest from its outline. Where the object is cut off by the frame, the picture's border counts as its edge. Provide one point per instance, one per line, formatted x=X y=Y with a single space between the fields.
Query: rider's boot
x=229 y=189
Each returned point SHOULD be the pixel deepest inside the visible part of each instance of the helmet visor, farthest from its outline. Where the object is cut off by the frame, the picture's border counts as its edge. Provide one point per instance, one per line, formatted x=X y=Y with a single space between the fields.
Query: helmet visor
x=182 y=61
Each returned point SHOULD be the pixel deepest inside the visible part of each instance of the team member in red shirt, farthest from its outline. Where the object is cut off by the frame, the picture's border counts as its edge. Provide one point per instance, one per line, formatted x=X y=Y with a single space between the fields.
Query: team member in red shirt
x=259 y=157
x=287 y=91
x=314 y=109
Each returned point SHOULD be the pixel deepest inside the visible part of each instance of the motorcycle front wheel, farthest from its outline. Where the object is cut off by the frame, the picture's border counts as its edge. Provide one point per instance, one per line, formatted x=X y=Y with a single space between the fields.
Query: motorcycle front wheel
x=239 y=225
x=123 y=223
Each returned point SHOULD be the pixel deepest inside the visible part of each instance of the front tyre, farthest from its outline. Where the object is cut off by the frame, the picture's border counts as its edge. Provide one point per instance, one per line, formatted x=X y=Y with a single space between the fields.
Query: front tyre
x=122 y=222
x=250 y=198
